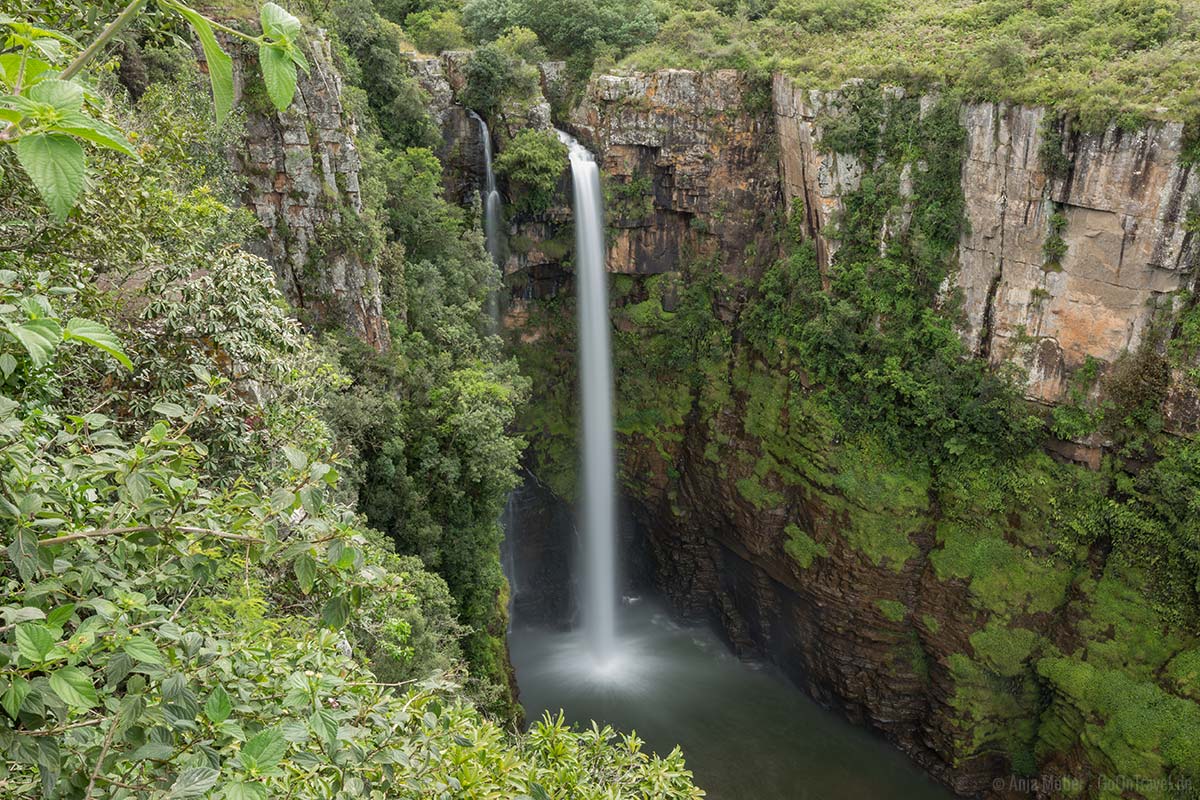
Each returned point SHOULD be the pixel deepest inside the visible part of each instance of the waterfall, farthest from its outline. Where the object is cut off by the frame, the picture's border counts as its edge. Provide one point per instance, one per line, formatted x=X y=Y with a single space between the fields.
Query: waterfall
x=599 y=602
x=491 y=199
x=492 y=220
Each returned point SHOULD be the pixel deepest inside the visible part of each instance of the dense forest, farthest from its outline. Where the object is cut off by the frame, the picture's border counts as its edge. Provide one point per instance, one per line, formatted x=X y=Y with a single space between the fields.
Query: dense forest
x=260 y=415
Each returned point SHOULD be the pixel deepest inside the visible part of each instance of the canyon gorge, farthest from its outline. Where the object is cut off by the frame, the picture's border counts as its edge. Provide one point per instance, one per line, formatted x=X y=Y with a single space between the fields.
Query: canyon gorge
x=580 y=399
x=934 y=608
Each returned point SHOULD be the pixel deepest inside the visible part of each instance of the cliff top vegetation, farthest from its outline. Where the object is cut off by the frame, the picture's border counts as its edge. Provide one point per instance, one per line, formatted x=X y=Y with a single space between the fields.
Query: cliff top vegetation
x=1101 y=60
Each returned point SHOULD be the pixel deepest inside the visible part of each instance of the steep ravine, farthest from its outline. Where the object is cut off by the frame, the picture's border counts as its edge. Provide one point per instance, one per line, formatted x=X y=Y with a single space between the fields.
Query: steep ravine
x=940 y=612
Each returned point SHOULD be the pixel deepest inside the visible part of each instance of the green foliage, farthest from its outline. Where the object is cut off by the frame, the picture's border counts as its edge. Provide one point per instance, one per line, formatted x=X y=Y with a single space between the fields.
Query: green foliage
x=1134 y=390
x=1099 y=61
x=831 y=16
x=435 y=31
x=374 y=62
x=894 y=610
x=1055 y=247
x=1052 y=151
x=891 y=357
x=45 y=118
x=533 y=162
x=496 y=76
x=993 y=534
x=577 y=30
x=1005 y=650
x=188 y=602
x=29 y=321
x=885 y=502
x=427 y=419
x=802 y=547
x=487 y=77
x=1141 y=730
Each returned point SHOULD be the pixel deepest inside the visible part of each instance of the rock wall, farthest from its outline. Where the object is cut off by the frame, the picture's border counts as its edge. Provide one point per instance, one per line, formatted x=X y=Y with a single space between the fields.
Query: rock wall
x=302 y=182
x=1118 y=202
x=690 y=168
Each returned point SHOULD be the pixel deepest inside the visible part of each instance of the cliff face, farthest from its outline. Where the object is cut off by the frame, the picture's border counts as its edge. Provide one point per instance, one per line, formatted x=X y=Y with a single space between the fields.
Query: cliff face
x=302 y=182
x=1074 y=245
x=690 y=167
x=941 y=609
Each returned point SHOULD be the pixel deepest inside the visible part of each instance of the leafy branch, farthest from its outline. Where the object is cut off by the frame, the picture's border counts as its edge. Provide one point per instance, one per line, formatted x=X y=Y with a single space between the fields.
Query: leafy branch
x=47 y=115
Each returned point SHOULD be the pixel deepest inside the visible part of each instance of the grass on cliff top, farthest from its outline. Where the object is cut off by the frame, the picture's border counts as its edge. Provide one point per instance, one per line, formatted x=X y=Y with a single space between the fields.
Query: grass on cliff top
x=1102 y=60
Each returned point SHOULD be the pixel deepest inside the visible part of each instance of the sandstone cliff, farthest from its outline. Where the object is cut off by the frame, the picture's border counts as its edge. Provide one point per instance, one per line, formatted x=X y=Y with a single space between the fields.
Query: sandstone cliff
x=1117 y=205
x=302 y=182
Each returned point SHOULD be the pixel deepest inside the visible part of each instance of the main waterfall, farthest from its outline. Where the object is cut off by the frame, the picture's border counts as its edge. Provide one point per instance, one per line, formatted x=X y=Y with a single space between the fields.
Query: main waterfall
x=599 y=602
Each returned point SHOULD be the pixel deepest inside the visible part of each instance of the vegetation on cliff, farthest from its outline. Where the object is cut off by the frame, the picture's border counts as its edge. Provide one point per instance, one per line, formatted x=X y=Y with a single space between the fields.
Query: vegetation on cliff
x=1099 y=60
x=192 y=602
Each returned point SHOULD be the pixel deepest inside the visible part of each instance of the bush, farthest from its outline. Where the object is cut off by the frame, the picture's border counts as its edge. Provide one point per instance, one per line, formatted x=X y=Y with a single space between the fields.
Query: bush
x=487 y=75
x=398 y=106
x=435 y=31
x=533 y=162
x=831 y=16
x=567 y=28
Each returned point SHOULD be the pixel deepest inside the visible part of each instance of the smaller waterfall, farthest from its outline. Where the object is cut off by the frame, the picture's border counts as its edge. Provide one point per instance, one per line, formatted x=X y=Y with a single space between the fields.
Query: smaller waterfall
x=492 y=206
x=599 y=604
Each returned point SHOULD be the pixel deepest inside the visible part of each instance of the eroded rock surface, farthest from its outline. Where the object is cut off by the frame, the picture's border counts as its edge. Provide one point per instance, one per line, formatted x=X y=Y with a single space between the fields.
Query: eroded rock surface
x=690 y=166
x=1119 y=205
x=302 y=182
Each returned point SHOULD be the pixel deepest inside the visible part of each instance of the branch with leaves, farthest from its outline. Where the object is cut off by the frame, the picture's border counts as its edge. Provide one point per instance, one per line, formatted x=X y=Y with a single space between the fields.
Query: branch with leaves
x=47 y=114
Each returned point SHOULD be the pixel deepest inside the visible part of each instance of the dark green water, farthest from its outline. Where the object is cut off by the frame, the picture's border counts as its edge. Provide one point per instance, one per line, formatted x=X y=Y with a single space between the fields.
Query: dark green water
x=746 y=733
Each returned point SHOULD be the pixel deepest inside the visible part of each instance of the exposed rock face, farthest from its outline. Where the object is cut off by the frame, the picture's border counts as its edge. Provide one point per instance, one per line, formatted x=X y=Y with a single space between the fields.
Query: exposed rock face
x=461 y=151
x=302 y=175
x=1122 y=206
x=690 y=166
x=1118 y=208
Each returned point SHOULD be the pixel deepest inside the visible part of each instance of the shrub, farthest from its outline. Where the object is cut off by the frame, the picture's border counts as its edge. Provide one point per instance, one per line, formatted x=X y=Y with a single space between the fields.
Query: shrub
x=831 y=16
x=533 y=162
x=487 y=75
x=435 y=31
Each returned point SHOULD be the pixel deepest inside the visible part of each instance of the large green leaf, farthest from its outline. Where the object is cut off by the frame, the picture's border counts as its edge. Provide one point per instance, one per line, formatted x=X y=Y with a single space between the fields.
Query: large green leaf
x=245 y=791
x=74 y=686
x=139 y=648
x=39 y=337
x=65 y=96
x=265 y=750
x=336 y=612
x=278 y=23
x=194 y=782
x=217 y=707
x=220 y=65
x=306 y=571
x=14 y=696
x=97 y=335
x=324 y=725
x=79 y=124
x=13 y=63
x=55 y=164
x=34 y=641
x=279 y=74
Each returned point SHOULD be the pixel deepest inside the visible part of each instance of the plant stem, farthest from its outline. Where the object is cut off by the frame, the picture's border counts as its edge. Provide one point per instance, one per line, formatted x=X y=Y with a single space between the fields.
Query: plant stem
x=106 y=36
x=217 y=25
x=21 y=71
